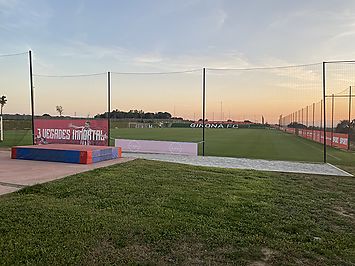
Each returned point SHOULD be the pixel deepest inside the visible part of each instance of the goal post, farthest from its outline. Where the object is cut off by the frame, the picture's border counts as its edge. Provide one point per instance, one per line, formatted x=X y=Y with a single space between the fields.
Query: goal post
x=139 y=125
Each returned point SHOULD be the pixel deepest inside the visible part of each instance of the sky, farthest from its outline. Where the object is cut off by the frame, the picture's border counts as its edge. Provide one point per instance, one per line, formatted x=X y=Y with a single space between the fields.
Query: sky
x=81 y=37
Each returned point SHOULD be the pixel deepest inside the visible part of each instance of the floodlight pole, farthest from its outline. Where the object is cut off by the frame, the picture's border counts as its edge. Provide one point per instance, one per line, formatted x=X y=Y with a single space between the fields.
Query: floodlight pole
x=324 y=117
x=108 y=106
x=32 y=96
x=203 y=109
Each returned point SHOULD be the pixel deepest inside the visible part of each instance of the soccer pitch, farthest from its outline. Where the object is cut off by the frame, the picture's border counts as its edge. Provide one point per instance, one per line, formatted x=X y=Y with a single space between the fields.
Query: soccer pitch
x=268 y=144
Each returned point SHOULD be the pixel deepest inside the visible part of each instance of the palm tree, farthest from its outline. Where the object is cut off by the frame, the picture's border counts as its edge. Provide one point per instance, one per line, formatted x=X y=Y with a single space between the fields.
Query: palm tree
x=3 y=101
x=59 y=109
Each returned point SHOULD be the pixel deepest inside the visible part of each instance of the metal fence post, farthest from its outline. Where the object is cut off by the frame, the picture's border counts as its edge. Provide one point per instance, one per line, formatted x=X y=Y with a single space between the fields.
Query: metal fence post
x=109 y=106
x=32 y=97
x=324 y=117
x=331 y=143
x=321 y=114
x=349 y=124
x=313 y=110
x=203 y=109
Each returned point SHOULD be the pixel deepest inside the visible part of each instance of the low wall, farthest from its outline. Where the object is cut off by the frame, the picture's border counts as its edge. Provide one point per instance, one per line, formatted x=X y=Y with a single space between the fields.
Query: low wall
x=154 y=146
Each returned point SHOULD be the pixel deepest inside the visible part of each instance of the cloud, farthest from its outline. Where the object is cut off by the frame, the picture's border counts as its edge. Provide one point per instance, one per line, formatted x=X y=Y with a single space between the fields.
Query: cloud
x=20 y=15
x=148 y=58
x=83 y=49
x=220 y=17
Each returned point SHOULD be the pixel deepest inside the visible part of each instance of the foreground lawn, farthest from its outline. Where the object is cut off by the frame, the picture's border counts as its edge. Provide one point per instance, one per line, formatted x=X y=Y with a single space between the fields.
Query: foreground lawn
x=161 y=213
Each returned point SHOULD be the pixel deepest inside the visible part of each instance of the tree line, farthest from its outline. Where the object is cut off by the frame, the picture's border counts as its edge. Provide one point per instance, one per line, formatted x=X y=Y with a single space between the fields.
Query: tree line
x=341 y=127
x=135 y=114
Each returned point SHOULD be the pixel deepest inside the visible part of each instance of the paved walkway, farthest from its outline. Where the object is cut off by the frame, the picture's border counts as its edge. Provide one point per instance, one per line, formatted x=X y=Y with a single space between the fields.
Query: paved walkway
x=15 y=174
x=240 y=163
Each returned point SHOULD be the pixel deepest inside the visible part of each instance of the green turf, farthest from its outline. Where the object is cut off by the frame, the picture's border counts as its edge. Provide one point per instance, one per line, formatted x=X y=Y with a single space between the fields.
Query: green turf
x=16 y=137
x=145 y=212
x=245 y=143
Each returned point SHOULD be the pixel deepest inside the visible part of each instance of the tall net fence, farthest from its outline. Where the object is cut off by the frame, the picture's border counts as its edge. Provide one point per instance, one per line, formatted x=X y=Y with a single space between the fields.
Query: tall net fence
x=260 y=112
x=340 y=82
x=16 y=128
x=71 y=109
x=277 y=113
x=156 y=106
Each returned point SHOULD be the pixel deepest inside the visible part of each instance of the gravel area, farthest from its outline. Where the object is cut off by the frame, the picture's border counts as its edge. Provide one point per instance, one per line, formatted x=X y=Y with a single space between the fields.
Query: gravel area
x=241 y=163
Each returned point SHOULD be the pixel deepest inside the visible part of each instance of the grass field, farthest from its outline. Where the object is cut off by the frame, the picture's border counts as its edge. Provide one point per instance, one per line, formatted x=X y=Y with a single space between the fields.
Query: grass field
x=145 y=212
x=245 y=143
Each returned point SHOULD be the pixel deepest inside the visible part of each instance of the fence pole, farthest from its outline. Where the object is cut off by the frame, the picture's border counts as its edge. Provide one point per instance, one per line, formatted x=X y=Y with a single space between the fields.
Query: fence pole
x=321 y=114
x=349 y=131
x=331 y=143
x=324 y=117
x=32 y=97
x=313 y=110
x=109 y=106
x=307 y=116
x=296 y=113
x=299 y=117
x=203 y=109
x=302 y=116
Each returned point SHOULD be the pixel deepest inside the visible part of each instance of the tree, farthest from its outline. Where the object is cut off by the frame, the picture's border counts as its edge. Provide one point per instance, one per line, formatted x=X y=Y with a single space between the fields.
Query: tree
x=59 y=109
x=343 y=126
x=3 y=101
x=296 y=125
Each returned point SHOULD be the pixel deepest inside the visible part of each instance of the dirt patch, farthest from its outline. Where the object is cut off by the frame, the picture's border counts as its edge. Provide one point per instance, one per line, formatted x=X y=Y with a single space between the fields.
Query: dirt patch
x=193 y=252
x=106 y=252
x=181 y=253
x=267 y=255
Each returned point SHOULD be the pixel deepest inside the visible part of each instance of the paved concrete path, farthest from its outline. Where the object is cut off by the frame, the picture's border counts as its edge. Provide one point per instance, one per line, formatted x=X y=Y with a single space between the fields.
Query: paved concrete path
x=15 y=174
x=240 y=163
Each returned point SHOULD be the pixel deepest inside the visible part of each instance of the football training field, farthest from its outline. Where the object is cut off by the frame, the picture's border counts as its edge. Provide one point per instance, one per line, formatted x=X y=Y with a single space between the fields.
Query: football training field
x=266 y=144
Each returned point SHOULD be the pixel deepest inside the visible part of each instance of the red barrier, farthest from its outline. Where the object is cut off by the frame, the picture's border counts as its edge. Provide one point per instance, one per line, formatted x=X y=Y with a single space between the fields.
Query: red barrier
x=71 y=131
x=288 y=130
x=338 y=140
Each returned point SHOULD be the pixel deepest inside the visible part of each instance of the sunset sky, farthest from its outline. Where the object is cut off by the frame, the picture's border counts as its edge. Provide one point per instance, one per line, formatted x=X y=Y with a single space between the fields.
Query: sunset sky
x=81 y=37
